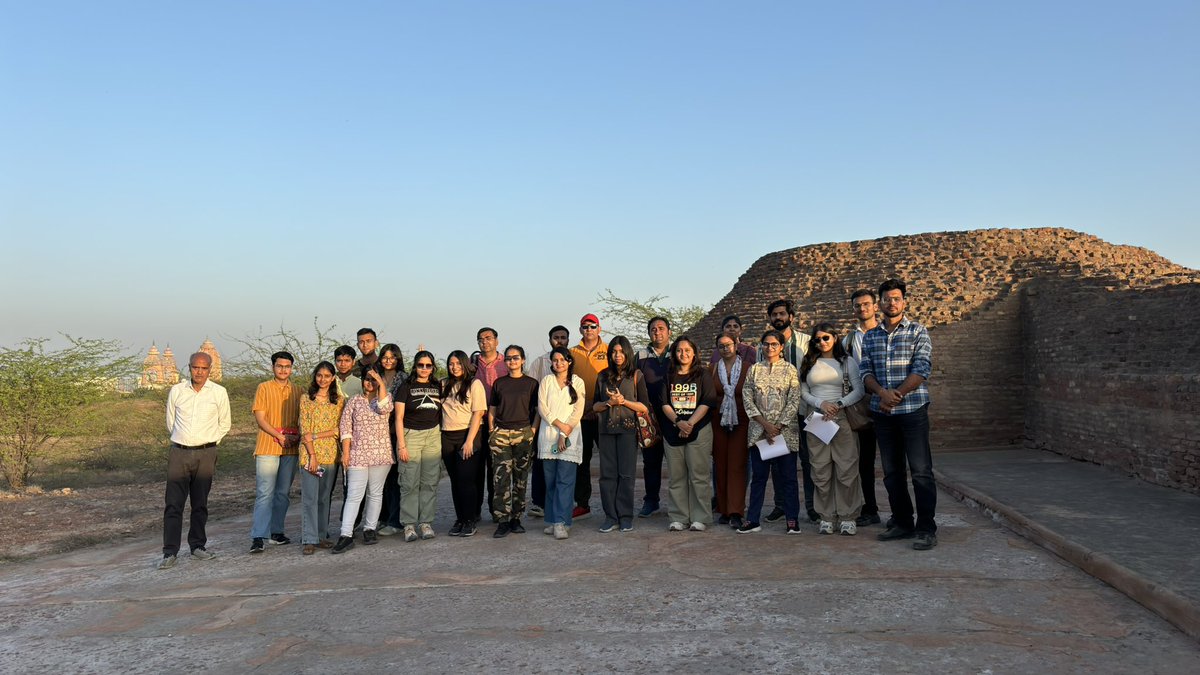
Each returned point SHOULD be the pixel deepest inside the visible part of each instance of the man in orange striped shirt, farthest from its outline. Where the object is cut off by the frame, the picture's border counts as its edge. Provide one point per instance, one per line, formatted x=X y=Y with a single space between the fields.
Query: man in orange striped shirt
x=277 y=411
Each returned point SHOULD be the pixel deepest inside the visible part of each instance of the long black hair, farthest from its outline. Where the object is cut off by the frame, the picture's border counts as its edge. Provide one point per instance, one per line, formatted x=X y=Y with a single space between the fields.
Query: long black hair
x=468 y=375
x=395 y=349
x=814 y=350
x=697 y=369
x=412 y=375
x=613 y=375
x=313 y=387
x=566 y=354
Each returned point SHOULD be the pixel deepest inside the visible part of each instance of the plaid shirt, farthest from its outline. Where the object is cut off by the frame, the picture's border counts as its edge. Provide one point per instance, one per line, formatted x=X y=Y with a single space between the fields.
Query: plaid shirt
x=891 y=357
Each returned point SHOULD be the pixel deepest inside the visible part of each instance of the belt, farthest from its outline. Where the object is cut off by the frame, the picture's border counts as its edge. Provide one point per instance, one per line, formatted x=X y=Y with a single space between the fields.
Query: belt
x=193 y=447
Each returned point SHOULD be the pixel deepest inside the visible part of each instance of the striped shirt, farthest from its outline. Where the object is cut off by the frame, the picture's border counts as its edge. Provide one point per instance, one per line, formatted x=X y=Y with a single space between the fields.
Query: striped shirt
x=891 y=357
x=281 y=405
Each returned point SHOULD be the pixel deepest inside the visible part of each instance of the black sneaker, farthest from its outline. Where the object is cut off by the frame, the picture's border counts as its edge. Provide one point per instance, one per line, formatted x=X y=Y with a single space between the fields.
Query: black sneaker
x=775 y=515
x=894 y=532
x=723 y=520
x=468 y=529
x=516 y=527
x=891 y=522
x=865 y=519
x=735 y=521
x=456 y=529
x=793 y=527
x=749 y=527
x=343 y=544
x=256 y=546
x=279 y=539
x=502 y=530
x=648 y=509
x=370 y=537
x=925 y=541
x=813 y=516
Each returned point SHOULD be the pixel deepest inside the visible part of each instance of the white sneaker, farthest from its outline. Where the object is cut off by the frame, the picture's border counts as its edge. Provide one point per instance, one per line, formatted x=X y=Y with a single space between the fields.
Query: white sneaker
x=167 y=562
x=427 y=531
x=560 y=531
x=825 y=528
x=410 y=533
x=697 y=527
x=676 y=526
x=536 y=511
x=849 y=528
x=549 y=529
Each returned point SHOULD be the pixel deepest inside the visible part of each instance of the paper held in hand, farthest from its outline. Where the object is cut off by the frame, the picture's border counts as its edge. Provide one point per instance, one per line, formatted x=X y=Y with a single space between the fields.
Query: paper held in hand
x=772 y=450
x=818 y=426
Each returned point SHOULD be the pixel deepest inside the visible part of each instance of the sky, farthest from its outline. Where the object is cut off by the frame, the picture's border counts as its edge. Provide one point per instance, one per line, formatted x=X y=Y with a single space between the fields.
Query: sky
x=171 y=171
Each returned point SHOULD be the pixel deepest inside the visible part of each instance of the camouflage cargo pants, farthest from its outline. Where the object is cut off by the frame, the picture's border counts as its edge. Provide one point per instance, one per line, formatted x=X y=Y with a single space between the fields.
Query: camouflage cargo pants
x=512 y=454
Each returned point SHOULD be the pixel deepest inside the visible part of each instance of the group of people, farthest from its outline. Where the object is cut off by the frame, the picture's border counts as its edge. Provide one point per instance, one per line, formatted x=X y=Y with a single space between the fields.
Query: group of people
x=722 y=428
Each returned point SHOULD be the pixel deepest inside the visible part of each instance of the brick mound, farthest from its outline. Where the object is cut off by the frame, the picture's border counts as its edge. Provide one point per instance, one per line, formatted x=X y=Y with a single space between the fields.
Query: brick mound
x=951 y=275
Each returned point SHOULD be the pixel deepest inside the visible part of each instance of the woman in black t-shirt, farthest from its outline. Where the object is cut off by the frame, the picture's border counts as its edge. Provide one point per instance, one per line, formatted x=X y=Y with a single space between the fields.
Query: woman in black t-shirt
x=688 y=395
x=512 y=409
x=419 y=447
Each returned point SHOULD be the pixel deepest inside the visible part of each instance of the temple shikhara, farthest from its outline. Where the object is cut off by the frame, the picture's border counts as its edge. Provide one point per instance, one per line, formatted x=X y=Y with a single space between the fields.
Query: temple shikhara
x=160 y=369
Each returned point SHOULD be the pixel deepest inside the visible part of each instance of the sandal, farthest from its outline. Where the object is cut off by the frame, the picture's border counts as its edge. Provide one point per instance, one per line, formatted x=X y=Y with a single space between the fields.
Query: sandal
x=309 y=549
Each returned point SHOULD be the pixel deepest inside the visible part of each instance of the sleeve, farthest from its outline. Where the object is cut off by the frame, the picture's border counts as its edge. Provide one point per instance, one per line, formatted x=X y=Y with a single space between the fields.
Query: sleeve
x=748 y=394
x=580 y=402
x=171 y=411
x=477 y=397
x=346 y=425
x=260 y=398
x=543 y=403
x=857 y=390
x=494 y=399
x=533 y=401
x=806 y=394
x=791 y=405
x=643 y=394
x=600 y=394
x=922 y=360
x=664 y=395
x=224 y=419
x=708 y=392
x=306 y=415
x=865 y=367
x=383 y=406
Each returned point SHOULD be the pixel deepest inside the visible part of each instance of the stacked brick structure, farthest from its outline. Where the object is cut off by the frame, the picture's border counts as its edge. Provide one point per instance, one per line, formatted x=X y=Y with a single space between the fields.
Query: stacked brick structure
x=1015 y=317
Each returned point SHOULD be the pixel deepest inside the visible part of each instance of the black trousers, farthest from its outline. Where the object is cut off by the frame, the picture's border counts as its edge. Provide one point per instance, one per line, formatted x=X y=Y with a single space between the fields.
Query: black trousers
x=464 y=489
x=537 y=479
x=652 y=466
x=189 y=475
x=866 y=469
x=583 y=475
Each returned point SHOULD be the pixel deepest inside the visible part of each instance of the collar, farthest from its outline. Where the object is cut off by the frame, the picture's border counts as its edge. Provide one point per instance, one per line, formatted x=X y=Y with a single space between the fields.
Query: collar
x=904 y=322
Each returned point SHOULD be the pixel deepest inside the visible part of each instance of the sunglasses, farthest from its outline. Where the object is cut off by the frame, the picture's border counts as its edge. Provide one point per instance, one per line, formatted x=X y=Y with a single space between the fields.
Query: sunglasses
x=512 y=358
x=825 y=338
x=425 y=365
x=589 y=326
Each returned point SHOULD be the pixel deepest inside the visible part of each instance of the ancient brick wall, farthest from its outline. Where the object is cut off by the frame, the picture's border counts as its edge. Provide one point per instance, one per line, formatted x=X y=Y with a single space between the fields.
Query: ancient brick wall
x=969 y=288
x=1113 y=376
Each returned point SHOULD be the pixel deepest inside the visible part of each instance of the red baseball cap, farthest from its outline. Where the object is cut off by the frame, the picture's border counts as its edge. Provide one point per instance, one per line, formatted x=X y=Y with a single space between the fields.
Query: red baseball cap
x=589 y=318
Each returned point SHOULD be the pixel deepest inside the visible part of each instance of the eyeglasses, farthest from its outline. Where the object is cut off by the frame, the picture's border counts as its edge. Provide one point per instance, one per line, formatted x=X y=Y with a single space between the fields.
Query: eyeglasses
x=825 y=338
x=771 y=345
x=425 y=365
x=486 y=339
x=512 y=358
x=588 y=326
x=726 y=346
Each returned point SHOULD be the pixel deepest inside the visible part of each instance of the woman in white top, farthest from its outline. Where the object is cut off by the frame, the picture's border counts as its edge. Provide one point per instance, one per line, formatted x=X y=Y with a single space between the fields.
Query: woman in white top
x=560 y=443
x=829 y=381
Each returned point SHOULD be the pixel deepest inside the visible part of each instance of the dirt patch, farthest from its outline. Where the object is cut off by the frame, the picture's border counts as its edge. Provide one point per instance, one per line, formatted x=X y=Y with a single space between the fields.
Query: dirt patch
x=41 y=523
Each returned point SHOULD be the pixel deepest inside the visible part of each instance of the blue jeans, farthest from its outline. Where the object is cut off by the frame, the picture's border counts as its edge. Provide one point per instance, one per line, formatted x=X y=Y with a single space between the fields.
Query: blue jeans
x=783 y=477
x=560 y=490
x=904 y=439
x=272 y=479
x=314 y=505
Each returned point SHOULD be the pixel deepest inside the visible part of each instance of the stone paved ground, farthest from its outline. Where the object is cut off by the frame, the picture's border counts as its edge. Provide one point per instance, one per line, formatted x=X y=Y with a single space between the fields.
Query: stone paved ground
x=983 y=601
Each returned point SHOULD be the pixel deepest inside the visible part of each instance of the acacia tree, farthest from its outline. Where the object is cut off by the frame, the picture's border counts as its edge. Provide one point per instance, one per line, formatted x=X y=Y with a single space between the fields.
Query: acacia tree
x=43 y=395
x=255 y=358
x=628 y=316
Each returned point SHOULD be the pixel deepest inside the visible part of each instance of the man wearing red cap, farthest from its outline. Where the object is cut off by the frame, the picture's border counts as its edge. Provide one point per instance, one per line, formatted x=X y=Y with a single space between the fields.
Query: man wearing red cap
x=591 y=357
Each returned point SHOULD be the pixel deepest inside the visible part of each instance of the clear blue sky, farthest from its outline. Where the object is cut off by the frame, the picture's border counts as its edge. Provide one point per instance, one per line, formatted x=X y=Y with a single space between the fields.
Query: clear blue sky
x=176 y=170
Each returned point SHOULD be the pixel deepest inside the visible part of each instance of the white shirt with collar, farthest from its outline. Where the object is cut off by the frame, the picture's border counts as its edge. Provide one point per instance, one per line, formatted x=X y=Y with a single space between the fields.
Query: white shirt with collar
x=197 y=417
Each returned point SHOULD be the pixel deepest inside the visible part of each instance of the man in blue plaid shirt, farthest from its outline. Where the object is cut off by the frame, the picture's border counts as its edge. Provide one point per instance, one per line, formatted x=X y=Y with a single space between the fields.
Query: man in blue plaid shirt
x=895 y=366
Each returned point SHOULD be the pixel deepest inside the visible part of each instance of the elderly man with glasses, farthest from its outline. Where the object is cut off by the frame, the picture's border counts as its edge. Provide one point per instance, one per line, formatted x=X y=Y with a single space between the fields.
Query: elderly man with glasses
x=591 y=357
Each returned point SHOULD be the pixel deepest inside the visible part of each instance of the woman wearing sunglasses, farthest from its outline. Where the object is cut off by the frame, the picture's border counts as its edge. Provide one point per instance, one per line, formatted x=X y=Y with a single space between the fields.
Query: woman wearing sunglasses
x=824 y=373
x=419 y=446
x=512 y=411
x=771 y=395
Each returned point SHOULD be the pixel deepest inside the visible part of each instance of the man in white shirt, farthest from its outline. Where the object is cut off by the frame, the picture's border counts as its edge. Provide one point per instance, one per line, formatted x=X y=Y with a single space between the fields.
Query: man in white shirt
x=197 y=419
x=865 y=307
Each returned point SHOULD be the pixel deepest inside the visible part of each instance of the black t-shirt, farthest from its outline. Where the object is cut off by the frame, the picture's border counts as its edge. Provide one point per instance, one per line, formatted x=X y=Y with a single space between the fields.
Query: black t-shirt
x=684 y=395
x=515 y=401
x=422 y=404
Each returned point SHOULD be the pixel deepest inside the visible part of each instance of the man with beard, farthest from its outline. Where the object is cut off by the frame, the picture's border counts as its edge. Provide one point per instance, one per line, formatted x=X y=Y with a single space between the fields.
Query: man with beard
x=896 y=365
x=864 y=304
x=781 y=314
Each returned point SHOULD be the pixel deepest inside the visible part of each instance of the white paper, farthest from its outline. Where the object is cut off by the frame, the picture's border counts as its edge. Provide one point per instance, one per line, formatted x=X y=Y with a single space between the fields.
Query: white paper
x=772 y=450
x=818 y=426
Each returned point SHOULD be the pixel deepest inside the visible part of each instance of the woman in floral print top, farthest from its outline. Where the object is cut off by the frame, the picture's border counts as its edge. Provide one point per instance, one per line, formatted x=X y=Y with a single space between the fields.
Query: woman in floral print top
x=366 y=456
